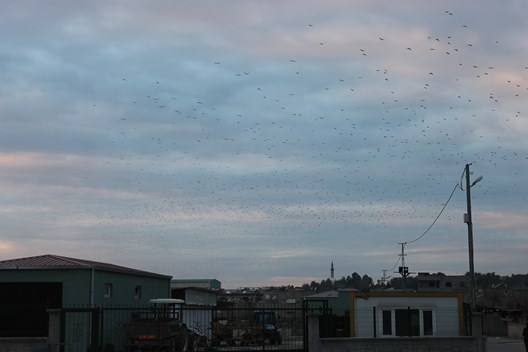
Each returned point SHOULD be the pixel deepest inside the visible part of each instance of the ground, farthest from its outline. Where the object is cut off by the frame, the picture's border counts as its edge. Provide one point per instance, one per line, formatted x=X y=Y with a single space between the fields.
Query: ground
x=505 y=344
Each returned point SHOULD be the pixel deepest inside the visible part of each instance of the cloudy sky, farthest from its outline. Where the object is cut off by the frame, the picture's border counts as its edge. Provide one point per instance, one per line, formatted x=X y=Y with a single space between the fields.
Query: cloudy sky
x=257 y=141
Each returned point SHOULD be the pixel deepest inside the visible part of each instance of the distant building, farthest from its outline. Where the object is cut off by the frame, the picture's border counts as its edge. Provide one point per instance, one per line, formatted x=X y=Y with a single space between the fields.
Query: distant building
x=336 y=300
x=209 y=284
x=198 y=304
x=438 y=282
x=195 y=296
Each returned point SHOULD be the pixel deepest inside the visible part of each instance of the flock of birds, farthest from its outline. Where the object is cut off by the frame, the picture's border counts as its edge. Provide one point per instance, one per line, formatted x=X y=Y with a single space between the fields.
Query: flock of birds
x=311 y=150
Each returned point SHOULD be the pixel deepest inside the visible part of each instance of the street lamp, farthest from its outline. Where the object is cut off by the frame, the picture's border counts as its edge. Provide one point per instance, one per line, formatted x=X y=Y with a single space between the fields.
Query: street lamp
x=468 y=221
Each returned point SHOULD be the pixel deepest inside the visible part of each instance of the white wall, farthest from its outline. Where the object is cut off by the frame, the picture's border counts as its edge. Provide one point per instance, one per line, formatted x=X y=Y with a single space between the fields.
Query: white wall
x=445 y=313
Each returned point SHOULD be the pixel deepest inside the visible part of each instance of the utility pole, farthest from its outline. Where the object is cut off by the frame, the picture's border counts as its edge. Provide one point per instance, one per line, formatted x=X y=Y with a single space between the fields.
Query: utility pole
x=469 y=222
x=384 y=278
x=403 y=270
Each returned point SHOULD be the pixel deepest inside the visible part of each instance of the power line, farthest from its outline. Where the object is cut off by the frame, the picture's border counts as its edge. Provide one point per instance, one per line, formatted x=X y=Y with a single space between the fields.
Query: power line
x=437 y=217
x=395 y=265
x=433 y=223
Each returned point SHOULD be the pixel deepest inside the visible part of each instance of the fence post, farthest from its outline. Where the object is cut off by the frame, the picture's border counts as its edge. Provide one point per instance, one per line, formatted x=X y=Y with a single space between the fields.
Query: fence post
x=409 y=320
x=54 y=330
x=477 y=324
x=470 y=323
x=95 y=329
x=312 y=331
x=374 y=321
x=62 y=339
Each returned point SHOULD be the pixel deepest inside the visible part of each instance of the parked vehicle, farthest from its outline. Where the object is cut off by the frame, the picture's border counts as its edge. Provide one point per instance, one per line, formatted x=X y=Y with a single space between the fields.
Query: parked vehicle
x=160 y=329
x=197 y=339
x=260 y=329
x=267 y=320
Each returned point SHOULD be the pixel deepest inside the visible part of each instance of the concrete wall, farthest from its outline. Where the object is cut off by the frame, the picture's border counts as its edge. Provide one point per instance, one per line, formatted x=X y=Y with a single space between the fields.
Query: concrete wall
x=494 y=325
x=429 y=344
x=515 y=329
x=23 y=344
x=399 y=344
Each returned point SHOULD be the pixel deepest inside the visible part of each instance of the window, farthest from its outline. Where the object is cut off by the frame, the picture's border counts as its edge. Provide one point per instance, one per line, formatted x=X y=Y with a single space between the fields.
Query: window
x=387 y=322
x=448 y=284
x=108 y=290
x=137 y=292
x=427 y=318
x=407 y=322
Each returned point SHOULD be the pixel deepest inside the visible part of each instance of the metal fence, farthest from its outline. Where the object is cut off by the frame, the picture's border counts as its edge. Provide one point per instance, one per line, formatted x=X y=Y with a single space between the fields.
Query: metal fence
x=241 y=327
x=140 y=328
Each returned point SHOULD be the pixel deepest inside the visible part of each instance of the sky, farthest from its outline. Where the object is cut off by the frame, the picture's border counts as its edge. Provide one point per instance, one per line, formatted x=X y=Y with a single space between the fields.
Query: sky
x=257 y=141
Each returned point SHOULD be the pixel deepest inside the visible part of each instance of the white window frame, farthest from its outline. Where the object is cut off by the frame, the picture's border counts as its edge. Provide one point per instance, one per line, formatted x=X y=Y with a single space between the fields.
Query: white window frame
x=108 y=290
x=433 y=317
x=138 y=291
x=393 y=319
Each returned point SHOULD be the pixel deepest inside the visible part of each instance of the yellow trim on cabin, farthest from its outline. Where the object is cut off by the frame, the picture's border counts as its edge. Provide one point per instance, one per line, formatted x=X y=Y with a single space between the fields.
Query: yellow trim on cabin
x=352 y=300
x=366 y=295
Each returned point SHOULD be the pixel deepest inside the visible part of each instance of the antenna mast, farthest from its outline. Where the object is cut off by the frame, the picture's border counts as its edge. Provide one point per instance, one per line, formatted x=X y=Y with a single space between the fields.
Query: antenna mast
x=403 y=270
x=384 y=278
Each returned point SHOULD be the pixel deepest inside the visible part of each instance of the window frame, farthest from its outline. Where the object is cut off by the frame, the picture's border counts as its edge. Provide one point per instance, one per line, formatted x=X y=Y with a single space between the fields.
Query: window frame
x=431 y=323
x=137 y=292
x=423 y=314
x=108 y=290
x=386 y=313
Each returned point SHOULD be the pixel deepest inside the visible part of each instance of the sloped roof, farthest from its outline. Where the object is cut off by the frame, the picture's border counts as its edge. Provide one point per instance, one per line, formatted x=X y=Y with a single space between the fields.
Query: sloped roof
x=50 y=261
x=325 y=294
x=332 y=293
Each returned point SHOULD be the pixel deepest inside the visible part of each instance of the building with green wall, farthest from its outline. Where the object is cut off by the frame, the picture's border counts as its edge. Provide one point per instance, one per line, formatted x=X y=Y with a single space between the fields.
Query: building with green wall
x=336 y=300
x=35 y=284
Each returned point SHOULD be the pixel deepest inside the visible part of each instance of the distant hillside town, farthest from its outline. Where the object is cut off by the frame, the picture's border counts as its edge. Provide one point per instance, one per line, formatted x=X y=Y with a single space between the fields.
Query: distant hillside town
x=493 y=291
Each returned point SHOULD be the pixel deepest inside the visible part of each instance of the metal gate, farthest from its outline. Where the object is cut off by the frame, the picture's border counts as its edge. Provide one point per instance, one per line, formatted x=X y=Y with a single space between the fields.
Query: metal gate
x=79 y=329
x=271 y=328
x=252 y=328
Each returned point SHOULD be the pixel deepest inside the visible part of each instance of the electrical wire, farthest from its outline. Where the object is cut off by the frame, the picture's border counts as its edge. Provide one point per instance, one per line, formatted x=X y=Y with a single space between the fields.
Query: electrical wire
x=461 y=178
x=437 y=217
x=395 y=265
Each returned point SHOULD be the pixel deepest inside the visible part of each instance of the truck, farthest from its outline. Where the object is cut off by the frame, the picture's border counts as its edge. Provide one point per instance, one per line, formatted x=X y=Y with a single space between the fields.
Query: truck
x=259 y=329
x=160 y=329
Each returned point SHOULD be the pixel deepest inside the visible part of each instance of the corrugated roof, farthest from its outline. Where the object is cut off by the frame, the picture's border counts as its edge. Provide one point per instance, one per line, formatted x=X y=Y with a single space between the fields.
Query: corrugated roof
x=50 y=261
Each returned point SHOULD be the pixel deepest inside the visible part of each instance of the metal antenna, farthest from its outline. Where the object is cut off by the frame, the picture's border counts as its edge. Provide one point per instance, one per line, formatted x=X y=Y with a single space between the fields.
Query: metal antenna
x=384 y=278
x=403 y=270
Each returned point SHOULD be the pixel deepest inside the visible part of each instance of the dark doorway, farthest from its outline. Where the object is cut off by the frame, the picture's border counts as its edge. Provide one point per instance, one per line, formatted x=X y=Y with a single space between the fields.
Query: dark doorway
x=407 y=322
x=24 y=305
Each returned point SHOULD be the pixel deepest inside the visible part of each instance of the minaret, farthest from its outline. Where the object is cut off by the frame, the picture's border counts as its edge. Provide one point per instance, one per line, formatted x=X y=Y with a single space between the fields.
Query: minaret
x=332 y=272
